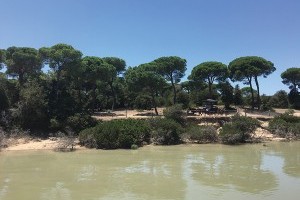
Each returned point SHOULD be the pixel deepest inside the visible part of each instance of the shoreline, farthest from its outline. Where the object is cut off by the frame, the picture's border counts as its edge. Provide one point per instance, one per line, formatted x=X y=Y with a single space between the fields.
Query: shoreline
x=25 y=142
x=28 y=143
x=52 y=144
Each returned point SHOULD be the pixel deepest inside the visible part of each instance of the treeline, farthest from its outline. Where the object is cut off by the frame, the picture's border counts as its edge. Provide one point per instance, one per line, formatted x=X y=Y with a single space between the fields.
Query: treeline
x=76 y=86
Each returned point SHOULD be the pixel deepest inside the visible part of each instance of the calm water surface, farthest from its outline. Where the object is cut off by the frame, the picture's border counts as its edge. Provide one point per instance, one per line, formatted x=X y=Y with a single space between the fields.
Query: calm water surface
x=174 y=172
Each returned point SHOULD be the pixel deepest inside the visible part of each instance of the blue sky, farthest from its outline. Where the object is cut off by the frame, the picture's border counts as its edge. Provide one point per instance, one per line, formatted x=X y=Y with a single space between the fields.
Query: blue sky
x=140 y=31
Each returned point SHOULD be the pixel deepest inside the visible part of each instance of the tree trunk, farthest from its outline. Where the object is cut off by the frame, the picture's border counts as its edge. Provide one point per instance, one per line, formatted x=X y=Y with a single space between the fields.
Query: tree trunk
x=94 y=97
x=210 y=89
x=154 y=104
x=113 y=96
x=79 y=98
x=174 y=91
x=57 y=85
x=252 y=93
x=258 y=94
x=21 y=79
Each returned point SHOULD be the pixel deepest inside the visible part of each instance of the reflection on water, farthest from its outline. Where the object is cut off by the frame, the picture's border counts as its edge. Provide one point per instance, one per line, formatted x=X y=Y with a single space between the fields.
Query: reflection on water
x=240 y=169
x=176 y=172
x=57 y=192
x=291 y=156
x=87 y=173
x=3 y=190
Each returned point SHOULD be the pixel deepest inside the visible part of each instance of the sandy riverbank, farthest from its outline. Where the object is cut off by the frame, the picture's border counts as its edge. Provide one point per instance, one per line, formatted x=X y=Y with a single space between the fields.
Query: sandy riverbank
x=28 y=143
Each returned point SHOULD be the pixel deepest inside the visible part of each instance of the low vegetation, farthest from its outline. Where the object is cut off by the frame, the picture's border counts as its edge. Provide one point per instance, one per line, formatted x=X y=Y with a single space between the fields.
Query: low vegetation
x=286 y=125
x=133 y=133
x=201 y=134
x=66 y=141
x=165 y=131
x=239 y=130
x=2 y=138
x=116 y=134
x=175 y=113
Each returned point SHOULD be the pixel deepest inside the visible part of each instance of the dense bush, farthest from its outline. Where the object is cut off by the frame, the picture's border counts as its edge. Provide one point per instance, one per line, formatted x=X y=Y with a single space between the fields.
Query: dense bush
x=238 y=130
x=279 y=99
x=116 y=134
x=87 y=137
x=4 y=103
x=265 y=103
x=79 y=121
x=31 y=112
x=285 y=125
x=175 y=113
x=55 y=125
x=143 y=102
x=2 y=138
x=183 y=99
x=202 y=134
x=165 y=131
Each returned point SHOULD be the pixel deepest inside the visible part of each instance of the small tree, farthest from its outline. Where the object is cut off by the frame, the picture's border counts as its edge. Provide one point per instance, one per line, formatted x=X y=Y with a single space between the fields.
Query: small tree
x=4 y=103
x=143 y=80
x=32 y=109
x=291 y=77
x=209 y=72
x=279 y=99
x=173 y=69
x=2 y=58
x=226 y=91
x=175 y=113
x=65 y=63
x=238 y=97
x=294 y=98
x=248 y=68
x=114 y=67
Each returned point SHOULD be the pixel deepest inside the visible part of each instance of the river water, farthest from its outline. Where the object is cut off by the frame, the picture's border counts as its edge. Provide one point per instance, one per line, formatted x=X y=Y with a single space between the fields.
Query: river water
x=155 y=172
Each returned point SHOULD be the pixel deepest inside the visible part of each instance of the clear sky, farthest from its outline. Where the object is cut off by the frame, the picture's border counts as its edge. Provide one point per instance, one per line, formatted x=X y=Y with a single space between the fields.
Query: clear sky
x=140 y=31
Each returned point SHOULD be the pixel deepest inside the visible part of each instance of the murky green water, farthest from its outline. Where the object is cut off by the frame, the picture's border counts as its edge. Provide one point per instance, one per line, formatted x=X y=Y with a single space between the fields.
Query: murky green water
x=174 y=172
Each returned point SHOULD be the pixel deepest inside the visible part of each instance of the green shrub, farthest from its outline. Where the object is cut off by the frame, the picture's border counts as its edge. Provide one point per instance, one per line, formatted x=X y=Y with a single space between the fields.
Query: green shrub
x=279 y=127
x=143 y=102
x=202 y=134
x=2 y=138
x=295 y=129
x=4 y=105
x=165 y=131
x=55 y=125
x=116 y=134
x=285 y=125
x=134 y=146
x=80 y=121
x=107 y=135
x=239 y=130
x=175 y=113
x=87 y=137
x=31 y=112
x=290 y=118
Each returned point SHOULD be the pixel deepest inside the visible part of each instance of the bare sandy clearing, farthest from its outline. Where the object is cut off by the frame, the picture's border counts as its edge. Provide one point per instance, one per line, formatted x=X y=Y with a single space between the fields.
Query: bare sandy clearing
x=36 y=144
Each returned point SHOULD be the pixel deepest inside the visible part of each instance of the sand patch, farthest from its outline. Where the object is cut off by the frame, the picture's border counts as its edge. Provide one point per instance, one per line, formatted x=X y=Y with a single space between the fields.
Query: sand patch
x=36 y=144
